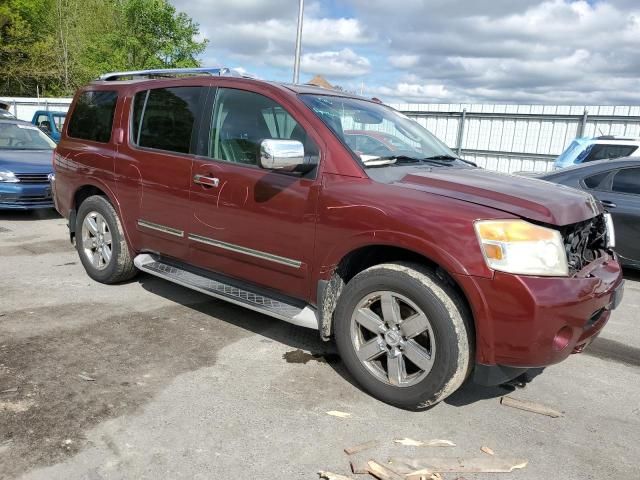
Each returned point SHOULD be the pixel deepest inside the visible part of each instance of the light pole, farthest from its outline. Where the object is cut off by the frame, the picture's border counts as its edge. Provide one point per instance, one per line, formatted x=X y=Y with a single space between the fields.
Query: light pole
x=296 y=64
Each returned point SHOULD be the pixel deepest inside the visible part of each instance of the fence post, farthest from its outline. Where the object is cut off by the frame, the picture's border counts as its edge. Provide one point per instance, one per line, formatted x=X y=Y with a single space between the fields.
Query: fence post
x=15 y=109
x=461 y=131
x=583 y=123
x=46 y=105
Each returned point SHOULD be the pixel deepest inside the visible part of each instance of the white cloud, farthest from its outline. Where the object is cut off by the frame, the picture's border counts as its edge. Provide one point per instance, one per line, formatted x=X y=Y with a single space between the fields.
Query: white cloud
x=404 y=61
x=547 y=51
x=411 y=92
x=343 y=63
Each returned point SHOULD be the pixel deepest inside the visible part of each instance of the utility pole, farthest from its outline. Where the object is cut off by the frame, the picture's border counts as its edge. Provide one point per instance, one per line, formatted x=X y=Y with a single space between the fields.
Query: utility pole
x=296 y=64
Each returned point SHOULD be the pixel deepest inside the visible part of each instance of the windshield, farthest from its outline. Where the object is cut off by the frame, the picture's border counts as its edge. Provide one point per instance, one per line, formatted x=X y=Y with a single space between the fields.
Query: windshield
x=18 y=136
x=375 y=132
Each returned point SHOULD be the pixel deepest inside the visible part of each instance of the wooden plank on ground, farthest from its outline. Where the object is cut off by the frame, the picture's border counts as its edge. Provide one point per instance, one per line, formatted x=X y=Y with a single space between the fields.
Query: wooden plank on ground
x=530 y=406
x=361 y=447
x=383 y=473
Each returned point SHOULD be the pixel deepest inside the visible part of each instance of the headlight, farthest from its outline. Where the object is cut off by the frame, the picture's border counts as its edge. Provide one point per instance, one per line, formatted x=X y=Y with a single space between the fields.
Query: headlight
x=520 y=247
x=8 y=177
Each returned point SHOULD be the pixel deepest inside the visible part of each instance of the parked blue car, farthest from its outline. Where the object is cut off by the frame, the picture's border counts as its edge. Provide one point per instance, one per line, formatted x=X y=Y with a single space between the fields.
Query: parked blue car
x=49 y=122
x=25 y=166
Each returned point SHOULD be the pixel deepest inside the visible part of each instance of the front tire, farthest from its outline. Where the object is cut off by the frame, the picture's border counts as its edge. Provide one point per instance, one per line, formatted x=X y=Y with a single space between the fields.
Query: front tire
x=100 y=242
x=404 y=334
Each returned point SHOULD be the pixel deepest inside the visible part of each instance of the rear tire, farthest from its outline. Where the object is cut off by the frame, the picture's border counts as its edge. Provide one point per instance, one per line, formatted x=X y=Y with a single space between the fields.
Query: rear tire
x=101 y=243
x=404 y=334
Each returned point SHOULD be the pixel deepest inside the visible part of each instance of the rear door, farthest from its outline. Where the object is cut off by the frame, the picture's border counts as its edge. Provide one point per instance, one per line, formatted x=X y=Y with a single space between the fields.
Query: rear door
x=249 y=223
x=620 y=194
x=154 y=167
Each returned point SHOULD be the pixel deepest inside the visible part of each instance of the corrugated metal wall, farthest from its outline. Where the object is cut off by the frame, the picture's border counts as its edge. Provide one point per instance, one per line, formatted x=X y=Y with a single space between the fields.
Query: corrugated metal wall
x=507 y=138
x=512 y=138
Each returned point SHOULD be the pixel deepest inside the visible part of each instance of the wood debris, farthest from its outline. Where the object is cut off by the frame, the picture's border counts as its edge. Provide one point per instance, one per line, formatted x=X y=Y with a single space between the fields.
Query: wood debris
x=487 y=450
x=383 y=473
x=423 y=476
x=359 y=465
x=10 y=390
x=488 y=464
x=336 y=413
x=440 y=443
x=332 y=476
x=86 y=378
x=361 y=447
x=409 y=442
x=530 y=406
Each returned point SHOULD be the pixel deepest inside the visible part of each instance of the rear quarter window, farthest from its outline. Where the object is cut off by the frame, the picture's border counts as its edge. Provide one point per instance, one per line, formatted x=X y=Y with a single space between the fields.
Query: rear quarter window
x=594 y=181
x=92 y=117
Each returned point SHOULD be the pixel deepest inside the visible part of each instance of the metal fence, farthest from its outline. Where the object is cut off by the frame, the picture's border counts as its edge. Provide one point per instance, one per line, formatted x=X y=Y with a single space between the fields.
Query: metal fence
x=506 y=138
x=511 y=138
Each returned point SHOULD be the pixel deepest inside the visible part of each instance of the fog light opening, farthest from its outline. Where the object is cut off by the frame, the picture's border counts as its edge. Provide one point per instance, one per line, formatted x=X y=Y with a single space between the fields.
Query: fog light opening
x=562 y=338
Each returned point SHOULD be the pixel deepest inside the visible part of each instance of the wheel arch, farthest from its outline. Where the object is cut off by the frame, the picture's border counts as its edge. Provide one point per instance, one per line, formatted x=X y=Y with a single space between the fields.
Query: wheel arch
x=365 y=256
x=85 y=191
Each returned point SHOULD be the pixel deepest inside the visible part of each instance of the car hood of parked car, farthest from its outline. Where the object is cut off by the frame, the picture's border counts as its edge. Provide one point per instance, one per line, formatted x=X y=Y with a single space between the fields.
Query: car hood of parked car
x=529 y=198
x=26 y=161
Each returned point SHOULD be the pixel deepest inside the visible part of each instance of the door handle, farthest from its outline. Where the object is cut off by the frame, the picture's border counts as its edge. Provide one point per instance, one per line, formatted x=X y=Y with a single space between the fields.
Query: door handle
x=608 y=203
x=206 y=181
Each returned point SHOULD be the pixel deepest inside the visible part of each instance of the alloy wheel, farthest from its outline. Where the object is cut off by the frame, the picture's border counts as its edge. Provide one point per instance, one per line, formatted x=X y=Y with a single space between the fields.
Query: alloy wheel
x=393 y=338
x=96 y=240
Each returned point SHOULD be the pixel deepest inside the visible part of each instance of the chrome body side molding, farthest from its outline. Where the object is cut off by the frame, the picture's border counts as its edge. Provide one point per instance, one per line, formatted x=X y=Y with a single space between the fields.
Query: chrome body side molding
x=161 y=228
x=247 y=251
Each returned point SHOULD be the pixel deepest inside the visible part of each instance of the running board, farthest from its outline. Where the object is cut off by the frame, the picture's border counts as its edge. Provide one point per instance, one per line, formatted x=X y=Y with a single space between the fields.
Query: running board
x=303 y=317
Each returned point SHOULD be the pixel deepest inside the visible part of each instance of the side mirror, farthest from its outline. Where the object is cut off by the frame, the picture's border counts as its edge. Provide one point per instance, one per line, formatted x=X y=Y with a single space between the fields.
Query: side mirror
x=281 y=154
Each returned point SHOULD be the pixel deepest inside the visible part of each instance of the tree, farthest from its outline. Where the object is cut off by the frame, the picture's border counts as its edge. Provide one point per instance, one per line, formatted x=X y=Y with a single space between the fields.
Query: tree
x=55 y=46
x=26 y=56
x=157 y=36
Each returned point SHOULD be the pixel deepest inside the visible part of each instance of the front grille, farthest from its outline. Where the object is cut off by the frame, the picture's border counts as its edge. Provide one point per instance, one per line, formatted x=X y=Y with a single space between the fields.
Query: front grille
x=33 y=177
x=584 y=242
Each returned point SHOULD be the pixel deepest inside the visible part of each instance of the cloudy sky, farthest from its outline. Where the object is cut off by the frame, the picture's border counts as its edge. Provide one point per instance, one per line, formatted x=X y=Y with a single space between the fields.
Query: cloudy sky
x=495 y=51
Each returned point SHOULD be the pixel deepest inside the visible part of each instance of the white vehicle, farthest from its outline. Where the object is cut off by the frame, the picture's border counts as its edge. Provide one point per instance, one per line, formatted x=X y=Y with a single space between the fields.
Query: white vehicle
x=606 y=147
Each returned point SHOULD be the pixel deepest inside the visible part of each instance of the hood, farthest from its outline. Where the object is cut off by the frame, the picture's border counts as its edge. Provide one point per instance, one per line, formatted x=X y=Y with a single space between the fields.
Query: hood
x=525 y=197
x=26 y=161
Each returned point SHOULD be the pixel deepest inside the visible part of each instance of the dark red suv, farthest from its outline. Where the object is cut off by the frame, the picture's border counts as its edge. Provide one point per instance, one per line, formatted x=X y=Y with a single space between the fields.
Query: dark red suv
x=422 y=267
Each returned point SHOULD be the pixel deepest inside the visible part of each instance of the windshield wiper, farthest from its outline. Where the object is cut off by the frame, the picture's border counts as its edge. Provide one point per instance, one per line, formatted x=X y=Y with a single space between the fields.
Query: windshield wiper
x=450 y=158
x=401 y=158
x=440 y=160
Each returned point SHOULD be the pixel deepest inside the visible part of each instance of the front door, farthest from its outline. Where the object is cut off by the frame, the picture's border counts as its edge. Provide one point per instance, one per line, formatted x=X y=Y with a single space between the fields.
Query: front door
x=154 y=168
x=622 y=200
x=249 y=223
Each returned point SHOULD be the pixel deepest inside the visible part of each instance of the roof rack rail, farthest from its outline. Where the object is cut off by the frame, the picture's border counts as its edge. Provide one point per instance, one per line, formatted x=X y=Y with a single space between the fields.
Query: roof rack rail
x=173 y=72
x=615 y=137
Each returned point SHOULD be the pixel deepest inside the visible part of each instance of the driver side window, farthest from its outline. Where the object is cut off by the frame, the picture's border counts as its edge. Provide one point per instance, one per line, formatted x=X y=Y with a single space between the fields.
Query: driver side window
x=242 y=120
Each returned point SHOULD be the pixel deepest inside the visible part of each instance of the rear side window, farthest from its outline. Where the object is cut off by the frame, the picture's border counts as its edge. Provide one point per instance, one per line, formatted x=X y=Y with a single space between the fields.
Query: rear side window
x=627 y=181
x=92 y=118
x=604 y=152
x=164 y=118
